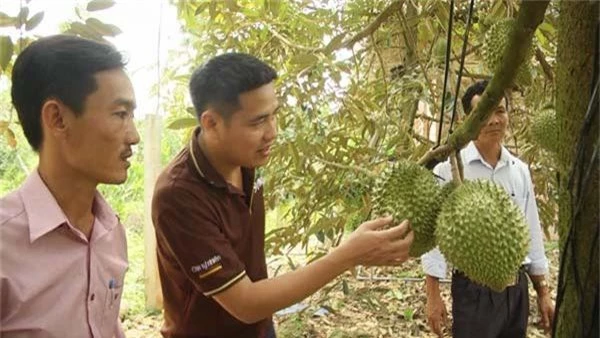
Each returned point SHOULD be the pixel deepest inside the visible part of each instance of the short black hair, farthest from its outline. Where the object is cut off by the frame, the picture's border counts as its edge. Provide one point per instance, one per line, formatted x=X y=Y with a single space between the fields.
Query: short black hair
x=476 y=88
x=61 y=67
x=219 y=82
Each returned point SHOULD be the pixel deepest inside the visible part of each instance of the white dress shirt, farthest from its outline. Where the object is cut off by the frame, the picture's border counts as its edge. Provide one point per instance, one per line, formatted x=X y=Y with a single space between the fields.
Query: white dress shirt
x=513 y=175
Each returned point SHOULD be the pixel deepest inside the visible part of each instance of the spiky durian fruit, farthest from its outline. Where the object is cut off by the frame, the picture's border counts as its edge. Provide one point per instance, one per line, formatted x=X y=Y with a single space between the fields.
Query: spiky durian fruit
x=447 y=189
x=544 y=129
x=407 y=190
x=495 y=41
x=483 y=233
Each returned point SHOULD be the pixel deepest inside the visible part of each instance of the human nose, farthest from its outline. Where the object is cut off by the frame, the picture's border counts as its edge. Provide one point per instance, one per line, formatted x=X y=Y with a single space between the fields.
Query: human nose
x=271 y=132
x=132 y=135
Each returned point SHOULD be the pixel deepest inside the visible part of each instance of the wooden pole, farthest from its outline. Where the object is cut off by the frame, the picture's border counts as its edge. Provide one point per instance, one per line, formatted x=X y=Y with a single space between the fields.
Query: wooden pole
x=152 y=166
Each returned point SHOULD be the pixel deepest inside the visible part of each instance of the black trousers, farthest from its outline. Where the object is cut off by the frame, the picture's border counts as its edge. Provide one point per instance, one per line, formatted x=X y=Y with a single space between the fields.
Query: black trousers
x=271 y=333
x=478 y=311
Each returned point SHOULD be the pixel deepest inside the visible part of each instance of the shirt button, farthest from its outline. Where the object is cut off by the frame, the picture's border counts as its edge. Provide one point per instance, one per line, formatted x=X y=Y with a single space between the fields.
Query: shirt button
x=92 y=297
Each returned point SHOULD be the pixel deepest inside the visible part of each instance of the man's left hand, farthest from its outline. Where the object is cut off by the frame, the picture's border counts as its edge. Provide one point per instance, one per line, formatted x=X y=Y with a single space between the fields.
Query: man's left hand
x=546 y=308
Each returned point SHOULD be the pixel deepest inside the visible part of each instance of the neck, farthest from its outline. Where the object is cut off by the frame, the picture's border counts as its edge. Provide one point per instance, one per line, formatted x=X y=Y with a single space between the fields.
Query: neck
x=231 y=173
x=73 y=193
x=490 y=151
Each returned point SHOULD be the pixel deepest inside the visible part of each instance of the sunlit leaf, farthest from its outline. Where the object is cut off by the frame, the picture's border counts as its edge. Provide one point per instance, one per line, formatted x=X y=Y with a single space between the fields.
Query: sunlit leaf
x=34 y=21
x=6 y=51
x=7 y=20
x=97 y=5
x=183 y=123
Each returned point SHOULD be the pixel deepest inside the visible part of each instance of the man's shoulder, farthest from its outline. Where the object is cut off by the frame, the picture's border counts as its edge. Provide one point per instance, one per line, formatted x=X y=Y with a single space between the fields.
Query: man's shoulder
x=11 y=206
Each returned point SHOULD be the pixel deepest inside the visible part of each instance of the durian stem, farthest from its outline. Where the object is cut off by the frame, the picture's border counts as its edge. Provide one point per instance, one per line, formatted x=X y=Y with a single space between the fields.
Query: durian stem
x=460 y=166
x=456 y=169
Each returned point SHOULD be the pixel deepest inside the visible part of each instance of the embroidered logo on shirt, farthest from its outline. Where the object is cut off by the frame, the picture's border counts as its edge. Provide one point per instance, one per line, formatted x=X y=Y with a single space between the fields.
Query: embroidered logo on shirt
x=208 y=267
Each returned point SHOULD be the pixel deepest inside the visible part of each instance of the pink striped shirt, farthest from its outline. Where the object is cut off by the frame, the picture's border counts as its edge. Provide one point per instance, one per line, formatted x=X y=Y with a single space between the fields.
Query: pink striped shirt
x=53 y=281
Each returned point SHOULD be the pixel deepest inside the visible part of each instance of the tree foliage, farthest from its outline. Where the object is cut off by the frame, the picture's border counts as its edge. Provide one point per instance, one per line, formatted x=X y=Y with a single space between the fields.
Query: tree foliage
x=360 y=84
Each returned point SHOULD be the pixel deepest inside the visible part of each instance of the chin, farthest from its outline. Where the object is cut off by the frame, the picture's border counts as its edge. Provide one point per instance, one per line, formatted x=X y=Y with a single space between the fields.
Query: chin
x=261 y=162
x=114 y=179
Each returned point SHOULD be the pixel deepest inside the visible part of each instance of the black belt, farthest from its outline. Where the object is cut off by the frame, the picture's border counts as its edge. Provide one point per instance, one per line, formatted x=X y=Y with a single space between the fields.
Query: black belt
x=522 y=269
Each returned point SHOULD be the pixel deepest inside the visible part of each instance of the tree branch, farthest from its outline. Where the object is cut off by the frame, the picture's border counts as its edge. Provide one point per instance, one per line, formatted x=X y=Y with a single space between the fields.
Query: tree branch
x=539 y=55
x=476 y=75
x=531 y=15
x=373 y=26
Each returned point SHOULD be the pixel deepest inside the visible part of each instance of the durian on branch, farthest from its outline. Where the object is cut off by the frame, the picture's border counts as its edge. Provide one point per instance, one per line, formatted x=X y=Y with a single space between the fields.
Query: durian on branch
x=531 y=15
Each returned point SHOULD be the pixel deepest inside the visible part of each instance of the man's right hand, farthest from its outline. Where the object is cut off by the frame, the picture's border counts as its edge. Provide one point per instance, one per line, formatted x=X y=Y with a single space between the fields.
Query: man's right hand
x=435 y=308
x=371 y=245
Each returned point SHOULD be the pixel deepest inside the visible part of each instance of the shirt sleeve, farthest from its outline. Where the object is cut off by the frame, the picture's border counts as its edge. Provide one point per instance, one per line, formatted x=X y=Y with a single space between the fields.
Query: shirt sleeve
x=537 y=255
x=433 y=262
x=188 y=230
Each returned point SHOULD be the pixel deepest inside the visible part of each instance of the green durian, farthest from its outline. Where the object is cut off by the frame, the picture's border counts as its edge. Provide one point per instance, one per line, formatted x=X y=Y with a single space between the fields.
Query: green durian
x=407 y=190
x=495 y=41
x=447 y=189
x=482 y=233
x=544 y=129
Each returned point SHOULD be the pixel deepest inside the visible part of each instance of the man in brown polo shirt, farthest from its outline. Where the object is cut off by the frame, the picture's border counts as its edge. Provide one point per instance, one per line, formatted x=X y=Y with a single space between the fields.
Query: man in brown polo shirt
x=209 y=215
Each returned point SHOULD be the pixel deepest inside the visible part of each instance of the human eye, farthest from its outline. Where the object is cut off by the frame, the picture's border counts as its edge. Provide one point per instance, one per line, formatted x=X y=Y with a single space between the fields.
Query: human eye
x=121 y=114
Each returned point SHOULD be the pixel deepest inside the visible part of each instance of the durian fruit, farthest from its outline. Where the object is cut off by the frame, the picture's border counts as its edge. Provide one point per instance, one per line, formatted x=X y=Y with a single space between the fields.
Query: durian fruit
x=544 y=129
x=495 y=41
x=407 y=190
x=482 y=233
x=447 y=189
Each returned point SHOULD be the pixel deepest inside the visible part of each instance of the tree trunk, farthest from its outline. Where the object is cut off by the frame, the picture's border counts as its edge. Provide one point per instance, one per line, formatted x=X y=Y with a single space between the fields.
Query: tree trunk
x=577 y=296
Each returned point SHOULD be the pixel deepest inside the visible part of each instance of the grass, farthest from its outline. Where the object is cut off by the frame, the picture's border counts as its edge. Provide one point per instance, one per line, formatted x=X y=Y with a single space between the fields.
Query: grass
x=133 y=302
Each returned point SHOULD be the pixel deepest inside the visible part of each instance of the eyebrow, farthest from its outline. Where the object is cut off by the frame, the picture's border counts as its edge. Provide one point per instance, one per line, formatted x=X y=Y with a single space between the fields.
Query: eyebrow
x=262 y=116
x=125 y=102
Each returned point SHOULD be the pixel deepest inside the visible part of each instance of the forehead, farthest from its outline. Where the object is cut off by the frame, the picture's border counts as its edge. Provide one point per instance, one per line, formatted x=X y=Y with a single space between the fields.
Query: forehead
x=113 y=87
x=260 y=100
x=476 y=98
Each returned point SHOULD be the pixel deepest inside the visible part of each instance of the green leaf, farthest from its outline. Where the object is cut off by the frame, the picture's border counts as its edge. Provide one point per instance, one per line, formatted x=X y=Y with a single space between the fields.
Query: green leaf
x=345 y=287
x=7 y=20
x=274 y=6
x=6 y=51
x=34 y=21
x=191 y=111
x=304 y=60
x=11 y=138
x=212 y=9
x=22 y=17
x=78 y=28
x=103 y=28
x=335 y=43
x=183 y=123
x=97 y=5
x=201 y=8
x=232 y=5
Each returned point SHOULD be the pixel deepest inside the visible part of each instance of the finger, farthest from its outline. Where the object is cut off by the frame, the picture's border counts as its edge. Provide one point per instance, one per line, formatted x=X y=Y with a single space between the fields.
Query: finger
x=545 y=322
x=376 y=223
x=437 y=329
x=444 y=315
x=398 y=231
x=409 y=238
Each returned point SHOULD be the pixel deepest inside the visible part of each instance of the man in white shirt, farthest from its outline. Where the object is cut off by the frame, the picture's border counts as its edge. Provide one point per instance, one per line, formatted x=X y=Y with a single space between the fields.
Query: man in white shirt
x=477 y=310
